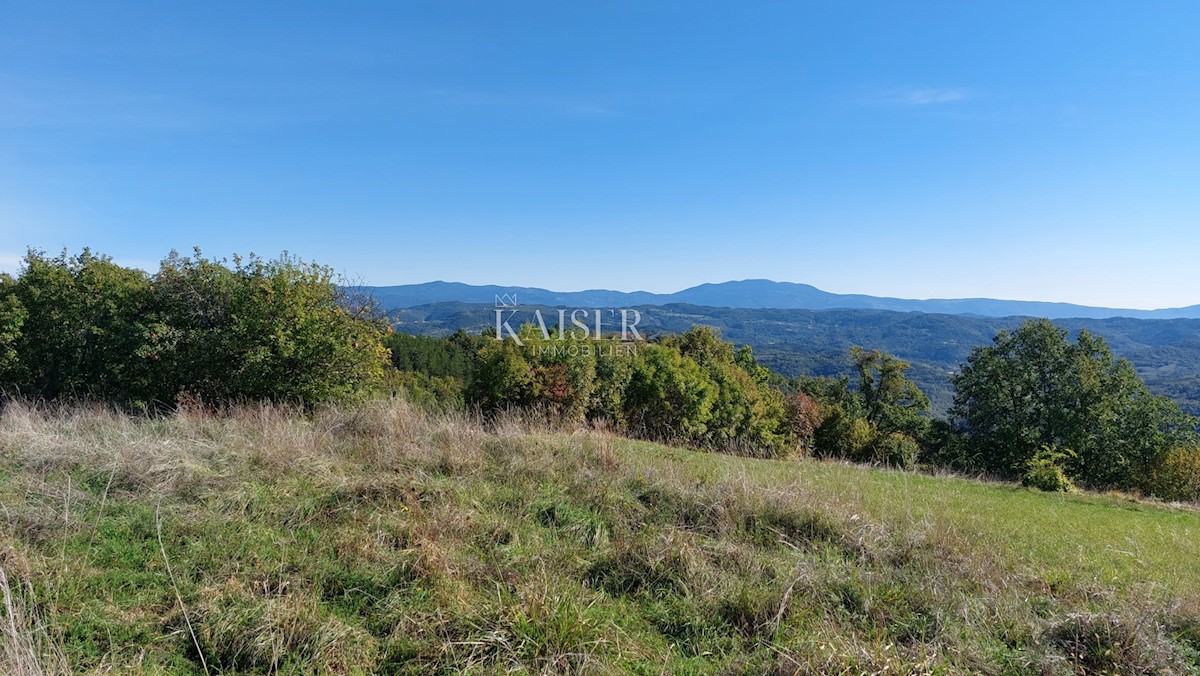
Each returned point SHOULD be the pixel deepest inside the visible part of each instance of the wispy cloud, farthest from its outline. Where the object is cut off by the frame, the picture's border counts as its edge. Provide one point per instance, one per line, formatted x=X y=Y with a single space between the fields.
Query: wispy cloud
x=922 y=96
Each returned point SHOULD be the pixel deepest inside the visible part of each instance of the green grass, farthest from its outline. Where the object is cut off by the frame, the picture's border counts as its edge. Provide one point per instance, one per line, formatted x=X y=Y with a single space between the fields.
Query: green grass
x=1102 y=540
x=380 y=539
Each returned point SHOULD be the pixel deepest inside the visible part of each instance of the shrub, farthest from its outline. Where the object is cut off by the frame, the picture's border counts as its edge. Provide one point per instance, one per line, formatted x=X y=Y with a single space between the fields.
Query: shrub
x=896 y=450
x=279 y=329
x=804 y=417
x=1044 y=471
x=691 y=388
x=669 y=396
x=1177 y=475
x=844 y=435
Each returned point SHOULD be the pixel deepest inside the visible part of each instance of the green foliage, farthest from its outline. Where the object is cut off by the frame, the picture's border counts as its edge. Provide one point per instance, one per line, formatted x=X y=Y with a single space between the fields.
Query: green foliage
x=81 y=320
x=433 y=356
x=813 y=343
x=890 y=401
x=1176 y=476
x=692 y=388
x=1035 y=388
x=434 y=393
x=503 y=378
x=276 y=329
x=1046 y=470
x=879 y=421
x=12 y=319
x=896 y=449
x=844 y=435
x=669 y=396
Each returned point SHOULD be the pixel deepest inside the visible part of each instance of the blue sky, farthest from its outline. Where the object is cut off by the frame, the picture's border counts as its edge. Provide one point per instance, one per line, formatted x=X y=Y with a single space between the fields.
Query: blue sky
x=1026 y=150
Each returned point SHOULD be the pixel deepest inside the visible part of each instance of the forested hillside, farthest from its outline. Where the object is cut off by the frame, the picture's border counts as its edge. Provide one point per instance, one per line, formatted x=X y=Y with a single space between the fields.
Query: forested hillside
x=1166 y=353
x=754 y=293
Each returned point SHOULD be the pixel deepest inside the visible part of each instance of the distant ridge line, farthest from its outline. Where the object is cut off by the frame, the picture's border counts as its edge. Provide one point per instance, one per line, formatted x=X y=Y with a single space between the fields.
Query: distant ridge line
x=755 y=294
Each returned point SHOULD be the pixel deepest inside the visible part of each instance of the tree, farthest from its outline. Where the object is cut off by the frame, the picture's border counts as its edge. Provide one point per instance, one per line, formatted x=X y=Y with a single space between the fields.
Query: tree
x=877 y=422
x=890 y=401
x=1035 y=388
x=503 y=378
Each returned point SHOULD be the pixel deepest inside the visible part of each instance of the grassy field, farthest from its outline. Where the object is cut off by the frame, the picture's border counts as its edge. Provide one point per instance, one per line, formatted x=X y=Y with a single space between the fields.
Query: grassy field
x=382 y=539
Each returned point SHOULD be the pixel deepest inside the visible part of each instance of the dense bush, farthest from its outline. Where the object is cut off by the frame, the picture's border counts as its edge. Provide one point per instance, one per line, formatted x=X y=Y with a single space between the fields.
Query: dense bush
x=83 y=326
x=879 y=421
x=692 y=388
x=77 y=327
x=895 y=449
x=1176 y=476
x=1045 y=470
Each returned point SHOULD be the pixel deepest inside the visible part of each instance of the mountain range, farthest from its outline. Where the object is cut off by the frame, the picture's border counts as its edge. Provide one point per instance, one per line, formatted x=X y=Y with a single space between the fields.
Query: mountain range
x=753 y=294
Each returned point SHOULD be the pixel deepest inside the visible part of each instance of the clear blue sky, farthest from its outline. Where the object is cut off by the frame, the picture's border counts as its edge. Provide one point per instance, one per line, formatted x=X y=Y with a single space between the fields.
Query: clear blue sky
x=1027 y=150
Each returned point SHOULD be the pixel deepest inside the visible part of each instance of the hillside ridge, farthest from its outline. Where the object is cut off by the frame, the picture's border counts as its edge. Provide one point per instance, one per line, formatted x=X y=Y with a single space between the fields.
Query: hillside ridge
x=755 y=294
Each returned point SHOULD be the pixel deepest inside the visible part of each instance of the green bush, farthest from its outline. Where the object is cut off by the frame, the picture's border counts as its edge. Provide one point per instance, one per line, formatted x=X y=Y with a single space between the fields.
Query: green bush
x=844 y=435
x=1177 y=475
x=83 y=326
x=896 y=450
x=81 y=321
x=693 y=388
x=1045 y=470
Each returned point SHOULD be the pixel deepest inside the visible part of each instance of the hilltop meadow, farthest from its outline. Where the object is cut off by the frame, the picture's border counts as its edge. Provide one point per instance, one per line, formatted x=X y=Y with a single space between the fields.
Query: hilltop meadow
x=379 y=538
x=237 y=467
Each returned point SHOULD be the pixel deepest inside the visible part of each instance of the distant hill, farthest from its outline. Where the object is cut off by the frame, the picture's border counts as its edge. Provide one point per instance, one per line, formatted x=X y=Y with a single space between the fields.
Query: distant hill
x=755 y=293
x=815 y=342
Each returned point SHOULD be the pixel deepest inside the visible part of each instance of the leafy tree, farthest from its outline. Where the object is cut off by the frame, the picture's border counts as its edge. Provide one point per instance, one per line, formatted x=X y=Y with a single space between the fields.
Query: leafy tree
x=877 y=422
x=804 y=418
x=890 y=401
x=1035 y=388
x=702 y=344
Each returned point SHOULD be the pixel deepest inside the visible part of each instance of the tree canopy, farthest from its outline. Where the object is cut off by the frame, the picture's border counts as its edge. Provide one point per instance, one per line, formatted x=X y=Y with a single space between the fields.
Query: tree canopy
x=1036 y=388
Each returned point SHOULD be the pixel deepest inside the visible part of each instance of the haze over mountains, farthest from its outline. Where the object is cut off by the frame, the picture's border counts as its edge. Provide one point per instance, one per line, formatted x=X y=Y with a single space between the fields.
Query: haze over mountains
x=755 y=293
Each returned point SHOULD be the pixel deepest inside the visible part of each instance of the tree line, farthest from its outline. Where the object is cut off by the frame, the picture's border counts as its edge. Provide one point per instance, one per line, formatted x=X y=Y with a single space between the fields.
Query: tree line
x=1037 y=405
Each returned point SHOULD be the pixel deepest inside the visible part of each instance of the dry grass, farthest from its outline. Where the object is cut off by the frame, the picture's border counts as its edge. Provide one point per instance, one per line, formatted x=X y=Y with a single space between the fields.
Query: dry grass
x=380 y=537
x=26 y=646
